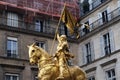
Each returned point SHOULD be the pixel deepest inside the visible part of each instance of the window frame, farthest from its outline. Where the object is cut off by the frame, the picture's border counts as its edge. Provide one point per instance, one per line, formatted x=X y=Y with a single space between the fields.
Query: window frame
x=11 y=76
x=84 y=52
x=107 y=43
x=41 y=43
x=109 y=67
x=88 y=52
x=39 y=27
x=112 y=41
x=36 y=77
x=12 y=19
x=111 y=74
x=91 y=78
x=13 y=39
x=91 y=74
x=104 y=16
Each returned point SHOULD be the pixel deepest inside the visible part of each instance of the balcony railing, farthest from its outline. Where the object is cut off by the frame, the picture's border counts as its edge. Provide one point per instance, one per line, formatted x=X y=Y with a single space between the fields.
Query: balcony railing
x=96 y=3
x=110 y=16
x=93 y=5
x=22 y=25
x=19 y=24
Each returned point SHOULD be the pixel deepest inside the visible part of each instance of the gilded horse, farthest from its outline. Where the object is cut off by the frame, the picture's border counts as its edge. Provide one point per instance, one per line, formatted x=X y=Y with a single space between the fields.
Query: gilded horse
x=48 y=70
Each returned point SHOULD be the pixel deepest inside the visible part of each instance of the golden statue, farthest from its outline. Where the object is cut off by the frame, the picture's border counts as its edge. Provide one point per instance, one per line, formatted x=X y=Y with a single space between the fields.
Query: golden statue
x=62 y=54
x=49 y=69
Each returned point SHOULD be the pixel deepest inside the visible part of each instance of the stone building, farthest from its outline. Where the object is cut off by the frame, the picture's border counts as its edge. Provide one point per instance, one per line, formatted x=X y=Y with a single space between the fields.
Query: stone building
x=23 y=22
x=99 y=45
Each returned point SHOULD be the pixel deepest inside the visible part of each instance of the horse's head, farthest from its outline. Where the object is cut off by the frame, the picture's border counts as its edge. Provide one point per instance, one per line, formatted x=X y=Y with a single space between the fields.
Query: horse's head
x=34 y=53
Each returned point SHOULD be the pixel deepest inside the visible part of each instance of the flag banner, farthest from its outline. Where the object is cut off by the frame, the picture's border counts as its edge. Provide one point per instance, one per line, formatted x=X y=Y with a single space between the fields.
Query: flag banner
x=69 y=20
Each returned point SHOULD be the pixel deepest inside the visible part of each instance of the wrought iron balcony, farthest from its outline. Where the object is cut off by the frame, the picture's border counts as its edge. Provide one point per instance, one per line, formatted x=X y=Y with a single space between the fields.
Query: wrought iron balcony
x=6 y=23
x=100 y=22
x=90 y=6
x=30 y=27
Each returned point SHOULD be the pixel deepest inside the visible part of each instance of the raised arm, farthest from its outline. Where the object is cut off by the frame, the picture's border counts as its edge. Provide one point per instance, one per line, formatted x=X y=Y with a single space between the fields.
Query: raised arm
x=58 y=38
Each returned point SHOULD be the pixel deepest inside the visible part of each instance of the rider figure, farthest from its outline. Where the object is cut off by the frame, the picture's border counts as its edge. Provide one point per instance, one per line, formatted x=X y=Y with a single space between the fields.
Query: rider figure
x=62 y=54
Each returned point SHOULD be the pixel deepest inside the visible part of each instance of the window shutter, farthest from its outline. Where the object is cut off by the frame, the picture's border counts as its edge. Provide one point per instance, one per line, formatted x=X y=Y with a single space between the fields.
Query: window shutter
x=84 y=54
x=9 y=19
x=99 y=15
x=108 y=9
x=44 y=26
x=102 y=46
x=108 y=13
x=92 y=51
x=90 y=23
x=82 y=27
x=100 y=18
x=112 y=43
x=90 y=2
x=15 y=20
x=118 y=3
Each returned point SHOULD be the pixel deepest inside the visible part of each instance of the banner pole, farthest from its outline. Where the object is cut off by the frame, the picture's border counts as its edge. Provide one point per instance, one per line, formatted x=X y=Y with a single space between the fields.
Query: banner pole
x=57 y=29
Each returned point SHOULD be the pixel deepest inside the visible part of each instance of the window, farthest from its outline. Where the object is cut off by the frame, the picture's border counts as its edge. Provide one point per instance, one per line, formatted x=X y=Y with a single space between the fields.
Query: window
x=63 y=29
x=86 y=27
x=36 y=77
x=110 y=74
x=107 y=47
x=9 y=76
x=88 y=52
x=96 y=3
x=103 y=1
x=12 y=47
x=104 y=16
x=38 y=25
x=107 y=43
x=85 y=6
x=12 y=19
x=41 y=44
x=91 y=78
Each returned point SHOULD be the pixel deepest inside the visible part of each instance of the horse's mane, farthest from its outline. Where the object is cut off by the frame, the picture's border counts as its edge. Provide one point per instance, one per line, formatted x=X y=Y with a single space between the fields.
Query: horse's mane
x=41 y=49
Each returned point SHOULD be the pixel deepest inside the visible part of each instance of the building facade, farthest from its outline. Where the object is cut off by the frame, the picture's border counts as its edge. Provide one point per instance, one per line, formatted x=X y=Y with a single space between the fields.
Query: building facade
x=99 y=45
x=23 y=22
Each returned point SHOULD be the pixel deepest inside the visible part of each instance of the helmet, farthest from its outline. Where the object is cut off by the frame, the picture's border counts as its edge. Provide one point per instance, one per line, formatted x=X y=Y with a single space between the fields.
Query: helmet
x=63 y=36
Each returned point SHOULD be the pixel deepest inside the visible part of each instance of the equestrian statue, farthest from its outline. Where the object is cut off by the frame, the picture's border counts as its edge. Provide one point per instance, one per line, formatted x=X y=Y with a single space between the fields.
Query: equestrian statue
x=55 y=67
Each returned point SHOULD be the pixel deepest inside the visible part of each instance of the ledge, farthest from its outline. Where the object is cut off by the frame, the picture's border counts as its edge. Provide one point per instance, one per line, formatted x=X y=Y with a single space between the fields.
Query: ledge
x=109 y=62
x=31 y=32
x=34 y=68
x=17 y=59
x=90 y=70
x=13 y=66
